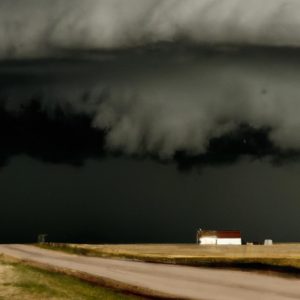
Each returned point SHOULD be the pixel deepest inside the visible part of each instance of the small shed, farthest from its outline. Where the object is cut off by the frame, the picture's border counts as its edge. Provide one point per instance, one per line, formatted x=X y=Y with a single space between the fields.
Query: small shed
x=219 y=237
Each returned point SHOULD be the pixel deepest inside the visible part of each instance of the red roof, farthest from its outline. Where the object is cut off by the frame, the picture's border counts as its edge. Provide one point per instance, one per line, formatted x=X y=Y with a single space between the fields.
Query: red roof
x=232 y=234
x=222 y=234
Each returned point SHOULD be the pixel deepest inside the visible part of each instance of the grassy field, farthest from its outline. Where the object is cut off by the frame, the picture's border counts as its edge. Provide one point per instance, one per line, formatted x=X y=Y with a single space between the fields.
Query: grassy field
x=281 y=257
x=20 y=281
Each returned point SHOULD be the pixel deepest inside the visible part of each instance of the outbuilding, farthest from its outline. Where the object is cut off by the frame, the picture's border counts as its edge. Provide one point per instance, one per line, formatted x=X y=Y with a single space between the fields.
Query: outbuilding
x=219 y=237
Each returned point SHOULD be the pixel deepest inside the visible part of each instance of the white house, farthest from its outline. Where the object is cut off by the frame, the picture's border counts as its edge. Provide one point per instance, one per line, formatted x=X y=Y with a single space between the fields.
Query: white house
x=214 y=237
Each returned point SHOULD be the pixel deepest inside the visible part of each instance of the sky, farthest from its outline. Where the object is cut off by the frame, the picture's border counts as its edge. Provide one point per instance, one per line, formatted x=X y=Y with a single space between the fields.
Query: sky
x=141 y=121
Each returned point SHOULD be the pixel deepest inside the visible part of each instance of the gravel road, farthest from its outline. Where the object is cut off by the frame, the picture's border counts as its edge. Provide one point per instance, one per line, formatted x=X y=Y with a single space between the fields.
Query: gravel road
x=177 y=281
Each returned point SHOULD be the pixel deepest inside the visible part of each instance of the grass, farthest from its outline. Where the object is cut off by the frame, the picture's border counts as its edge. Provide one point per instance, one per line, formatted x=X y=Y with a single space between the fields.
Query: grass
x=21 y=281
x=278 y=257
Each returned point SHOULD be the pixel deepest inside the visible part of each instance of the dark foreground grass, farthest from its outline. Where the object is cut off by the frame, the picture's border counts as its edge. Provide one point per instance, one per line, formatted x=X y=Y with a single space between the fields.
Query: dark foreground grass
x=280 y=257
x=21 y=281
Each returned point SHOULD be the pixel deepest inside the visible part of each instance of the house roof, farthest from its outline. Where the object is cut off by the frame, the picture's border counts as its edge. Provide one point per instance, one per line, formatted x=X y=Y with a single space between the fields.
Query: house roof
x=229 y=234
x=220 y=233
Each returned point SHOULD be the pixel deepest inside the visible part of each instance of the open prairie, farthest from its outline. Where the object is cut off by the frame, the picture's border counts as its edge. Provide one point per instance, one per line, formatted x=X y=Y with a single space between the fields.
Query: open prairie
x=277 y=256
x=19 y=280
x=158 y=280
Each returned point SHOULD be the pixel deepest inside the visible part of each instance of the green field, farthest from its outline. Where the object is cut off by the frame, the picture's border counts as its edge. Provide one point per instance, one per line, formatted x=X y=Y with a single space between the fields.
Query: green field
x=21 y=281
x=282 y=257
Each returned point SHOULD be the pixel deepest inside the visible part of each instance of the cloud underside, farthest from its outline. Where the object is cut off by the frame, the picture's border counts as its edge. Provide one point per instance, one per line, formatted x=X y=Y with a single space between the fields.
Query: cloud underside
x=68 y=138
x=168 y=103
x=43 y=28
x=160 y=78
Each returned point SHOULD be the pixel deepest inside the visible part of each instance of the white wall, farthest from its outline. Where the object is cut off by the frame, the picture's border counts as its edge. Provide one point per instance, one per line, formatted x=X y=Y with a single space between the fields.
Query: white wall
x=208 y=240
x=229 y=241
x=213 y=240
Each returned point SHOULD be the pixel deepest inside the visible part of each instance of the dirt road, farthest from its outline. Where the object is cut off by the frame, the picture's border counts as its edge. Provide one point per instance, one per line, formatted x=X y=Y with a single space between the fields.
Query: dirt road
x=177 y=281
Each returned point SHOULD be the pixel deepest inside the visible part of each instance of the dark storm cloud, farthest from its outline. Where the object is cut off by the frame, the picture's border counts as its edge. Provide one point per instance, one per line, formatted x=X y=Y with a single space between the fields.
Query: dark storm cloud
x=184 y=82
x=68 y=138
x=57 y=138
x=170 y=100
x=222 y=104
x=164 y=84
x=42 y=27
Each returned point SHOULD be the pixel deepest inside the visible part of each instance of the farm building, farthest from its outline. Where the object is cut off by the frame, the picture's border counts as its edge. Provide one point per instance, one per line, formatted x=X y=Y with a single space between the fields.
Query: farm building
x=222 y=237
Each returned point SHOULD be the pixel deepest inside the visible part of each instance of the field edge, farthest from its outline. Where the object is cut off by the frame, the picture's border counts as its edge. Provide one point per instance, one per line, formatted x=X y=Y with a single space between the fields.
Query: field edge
x=114 y=285
x=280 y=264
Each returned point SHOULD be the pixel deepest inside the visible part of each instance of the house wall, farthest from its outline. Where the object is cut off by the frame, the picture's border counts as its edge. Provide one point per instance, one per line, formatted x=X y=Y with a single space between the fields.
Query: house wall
x=208 y=240
x=219 y=241
x=233 y=241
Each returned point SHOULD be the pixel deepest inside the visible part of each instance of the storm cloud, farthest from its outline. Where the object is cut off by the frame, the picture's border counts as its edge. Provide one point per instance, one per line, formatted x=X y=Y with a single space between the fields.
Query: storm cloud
x=170 y=100
x=157 y=77
x=47 y=28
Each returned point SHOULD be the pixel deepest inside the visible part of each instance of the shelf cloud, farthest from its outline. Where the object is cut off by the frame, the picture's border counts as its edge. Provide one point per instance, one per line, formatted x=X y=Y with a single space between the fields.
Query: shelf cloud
x=168 y=101
x=35 y=28
x=157 y=77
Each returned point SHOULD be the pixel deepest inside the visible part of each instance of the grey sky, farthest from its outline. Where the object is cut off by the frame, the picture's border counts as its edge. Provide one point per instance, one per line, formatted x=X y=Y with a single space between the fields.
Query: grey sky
x=94 y=93
x=120 y=200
